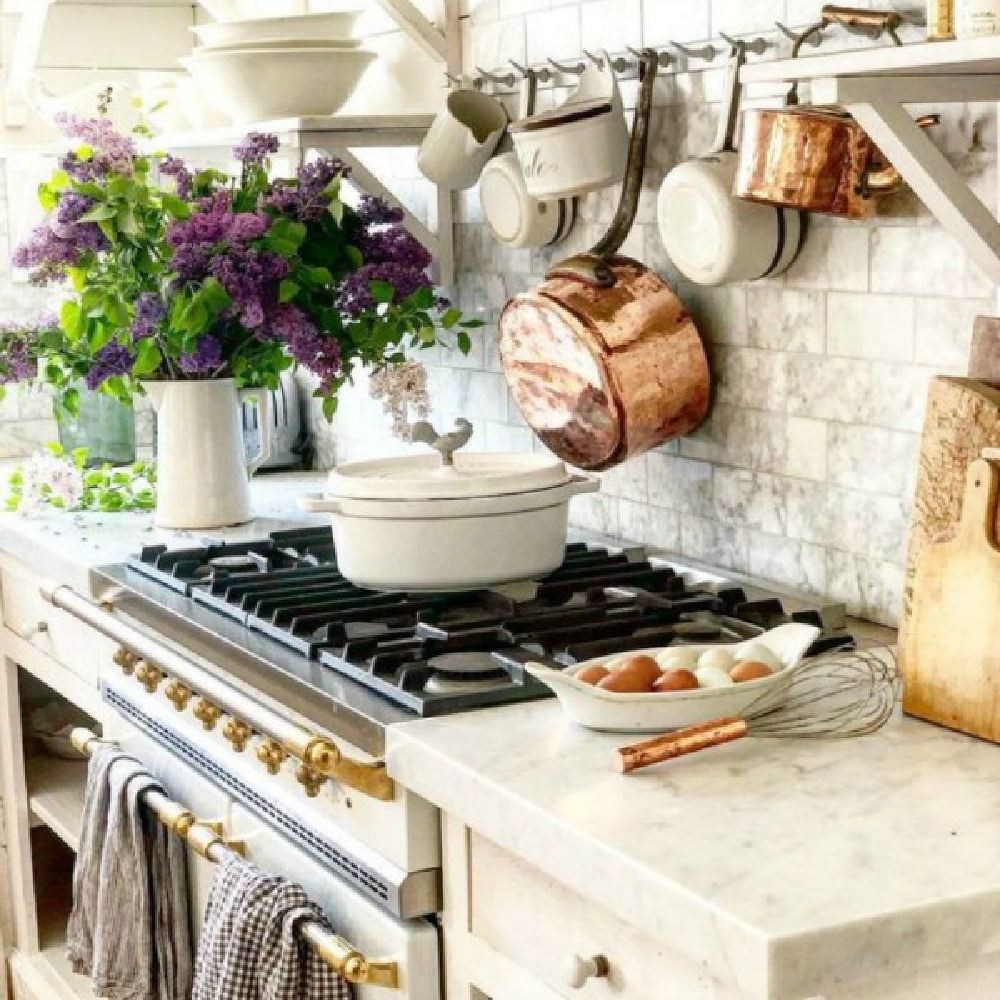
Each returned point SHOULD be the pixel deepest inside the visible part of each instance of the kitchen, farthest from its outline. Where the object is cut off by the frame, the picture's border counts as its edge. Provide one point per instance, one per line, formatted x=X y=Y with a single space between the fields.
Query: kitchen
x=382 y=730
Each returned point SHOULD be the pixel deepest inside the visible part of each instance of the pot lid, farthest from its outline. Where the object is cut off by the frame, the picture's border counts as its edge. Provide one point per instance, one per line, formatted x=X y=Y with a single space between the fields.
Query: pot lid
x=446 y=476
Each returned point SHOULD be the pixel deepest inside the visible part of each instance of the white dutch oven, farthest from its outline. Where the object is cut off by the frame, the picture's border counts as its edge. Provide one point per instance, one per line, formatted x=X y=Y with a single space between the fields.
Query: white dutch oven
x=581 y=146
x=454 y=522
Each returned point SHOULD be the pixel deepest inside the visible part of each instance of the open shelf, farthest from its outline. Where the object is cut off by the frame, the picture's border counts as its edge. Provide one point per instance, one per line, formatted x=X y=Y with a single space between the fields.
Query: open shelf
x=965 y=58
x=56 y=790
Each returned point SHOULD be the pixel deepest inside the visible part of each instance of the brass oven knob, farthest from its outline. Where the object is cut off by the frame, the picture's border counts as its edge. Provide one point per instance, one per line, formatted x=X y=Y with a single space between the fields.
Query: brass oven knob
x=272 y=755
x=178 y=695
x=238 y=733
x=207 y=714
x=149 y=677
x=312 y=781
x=127 y=660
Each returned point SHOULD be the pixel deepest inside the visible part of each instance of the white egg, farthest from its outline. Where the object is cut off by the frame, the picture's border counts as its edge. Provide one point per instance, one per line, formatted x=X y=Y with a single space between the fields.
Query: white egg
x=717 y=657
x=758 y=652
x=677 y=658
x=713 y=677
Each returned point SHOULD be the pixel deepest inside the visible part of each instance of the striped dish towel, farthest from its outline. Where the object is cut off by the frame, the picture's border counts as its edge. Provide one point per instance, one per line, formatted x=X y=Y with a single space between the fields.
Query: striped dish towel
x=250 y=948
x=129 y=929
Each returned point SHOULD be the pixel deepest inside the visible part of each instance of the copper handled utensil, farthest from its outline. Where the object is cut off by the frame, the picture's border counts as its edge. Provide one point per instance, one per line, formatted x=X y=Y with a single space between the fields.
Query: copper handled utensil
x=833 y=697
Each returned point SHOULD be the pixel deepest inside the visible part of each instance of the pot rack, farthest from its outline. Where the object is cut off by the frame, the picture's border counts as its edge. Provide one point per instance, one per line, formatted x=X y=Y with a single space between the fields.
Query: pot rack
x=206 y=839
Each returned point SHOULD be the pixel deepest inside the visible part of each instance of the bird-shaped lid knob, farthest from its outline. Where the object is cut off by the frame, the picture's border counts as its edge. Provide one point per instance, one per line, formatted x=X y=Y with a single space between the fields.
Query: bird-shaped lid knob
x=446 y=444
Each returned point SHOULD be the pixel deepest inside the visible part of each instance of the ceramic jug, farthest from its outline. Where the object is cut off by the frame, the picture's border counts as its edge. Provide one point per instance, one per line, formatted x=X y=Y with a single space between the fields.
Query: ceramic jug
x=202 y=473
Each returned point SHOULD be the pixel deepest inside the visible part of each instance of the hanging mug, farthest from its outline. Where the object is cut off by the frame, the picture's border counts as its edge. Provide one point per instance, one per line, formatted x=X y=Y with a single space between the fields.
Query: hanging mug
x=461 y=139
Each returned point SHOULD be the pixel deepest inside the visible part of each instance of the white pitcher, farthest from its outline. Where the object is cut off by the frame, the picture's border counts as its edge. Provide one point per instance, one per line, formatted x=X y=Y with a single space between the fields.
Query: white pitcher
x=202 y=472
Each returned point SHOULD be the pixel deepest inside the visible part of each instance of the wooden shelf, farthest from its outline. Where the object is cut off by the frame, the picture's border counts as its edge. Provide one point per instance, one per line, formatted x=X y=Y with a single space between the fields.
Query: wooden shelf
x=964 y=58
x=56 y=790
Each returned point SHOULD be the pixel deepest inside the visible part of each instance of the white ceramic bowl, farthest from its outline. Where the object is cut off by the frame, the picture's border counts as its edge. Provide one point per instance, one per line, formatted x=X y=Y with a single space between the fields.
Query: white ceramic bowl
x=514 y=217
x=595 y=708
x=259 y=84
x=286 y=43
x=301 y=27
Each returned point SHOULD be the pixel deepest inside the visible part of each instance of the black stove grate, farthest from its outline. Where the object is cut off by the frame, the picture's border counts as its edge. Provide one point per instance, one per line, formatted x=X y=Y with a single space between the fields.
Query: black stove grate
x=444 y=652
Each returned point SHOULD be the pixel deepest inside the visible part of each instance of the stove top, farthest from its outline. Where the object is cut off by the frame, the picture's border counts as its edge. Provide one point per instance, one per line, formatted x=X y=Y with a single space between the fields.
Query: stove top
x=432 y=654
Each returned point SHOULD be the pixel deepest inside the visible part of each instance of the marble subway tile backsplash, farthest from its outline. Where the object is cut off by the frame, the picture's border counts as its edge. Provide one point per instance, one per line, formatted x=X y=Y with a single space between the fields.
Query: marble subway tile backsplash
x=803 y=473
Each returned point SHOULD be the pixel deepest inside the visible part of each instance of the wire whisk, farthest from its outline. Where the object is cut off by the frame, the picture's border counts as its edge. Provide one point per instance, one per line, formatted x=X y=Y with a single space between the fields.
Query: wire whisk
x=833 y=697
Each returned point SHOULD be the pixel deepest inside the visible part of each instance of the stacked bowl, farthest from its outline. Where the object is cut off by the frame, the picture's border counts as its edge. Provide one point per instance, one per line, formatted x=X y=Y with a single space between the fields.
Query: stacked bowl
x=279 y=67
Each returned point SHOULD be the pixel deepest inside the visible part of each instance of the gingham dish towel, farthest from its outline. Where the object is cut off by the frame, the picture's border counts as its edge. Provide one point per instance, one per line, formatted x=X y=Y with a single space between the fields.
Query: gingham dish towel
x=250 y=947
x=129 y=926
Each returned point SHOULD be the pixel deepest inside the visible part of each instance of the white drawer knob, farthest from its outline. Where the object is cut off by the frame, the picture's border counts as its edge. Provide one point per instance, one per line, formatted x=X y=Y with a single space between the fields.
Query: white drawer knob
x=32 y=629
x=579 y=970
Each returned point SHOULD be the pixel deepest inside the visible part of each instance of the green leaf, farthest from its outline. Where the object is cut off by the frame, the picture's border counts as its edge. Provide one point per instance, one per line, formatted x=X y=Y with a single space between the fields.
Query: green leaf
x=126 y=220
x=287 y=290
x=71 y=319
x=178 y=208
x=472 y=324
x=99 y=213
x=451 y=317
x=148 y=358
x=336 y=211
x=55 y=448
x=329 y=407
x=382 y=291
x=464 y=342
x=214 y=295
x=79 y=456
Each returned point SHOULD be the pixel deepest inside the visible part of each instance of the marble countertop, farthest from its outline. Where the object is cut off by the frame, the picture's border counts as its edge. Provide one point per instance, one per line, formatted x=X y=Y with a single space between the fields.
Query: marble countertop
x=788 y=868
x=67 y=546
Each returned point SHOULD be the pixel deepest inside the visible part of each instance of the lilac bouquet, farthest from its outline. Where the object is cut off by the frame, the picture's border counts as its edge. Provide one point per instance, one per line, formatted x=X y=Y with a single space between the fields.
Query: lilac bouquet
x=184 y=274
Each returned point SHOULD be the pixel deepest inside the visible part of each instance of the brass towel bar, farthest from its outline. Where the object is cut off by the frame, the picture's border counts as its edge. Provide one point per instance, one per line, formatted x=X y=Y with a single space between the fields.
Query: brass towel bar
x=207 y=840
x=151 y=663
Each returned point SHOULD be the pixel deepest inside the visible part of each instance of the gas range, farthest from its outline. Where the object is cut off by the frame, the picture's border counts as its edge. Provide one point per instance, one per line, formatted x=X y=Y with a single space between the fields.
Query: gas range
x=282 y=601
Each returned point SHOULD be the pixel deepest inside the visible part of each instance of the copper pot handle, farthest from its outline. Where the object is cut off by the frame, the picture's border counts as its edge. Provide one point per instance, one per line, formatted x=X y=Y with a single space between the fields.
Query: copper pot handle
x=884 y=178
x=594 y=267
x=871 y=23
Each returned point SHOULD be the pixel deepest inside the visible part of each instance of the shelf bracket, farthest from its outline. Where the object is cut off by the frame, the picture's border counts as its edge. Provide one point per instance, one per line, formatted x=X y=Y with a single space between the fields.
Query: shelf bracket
x=421 y=29
x=924 y=167
x=23 y=62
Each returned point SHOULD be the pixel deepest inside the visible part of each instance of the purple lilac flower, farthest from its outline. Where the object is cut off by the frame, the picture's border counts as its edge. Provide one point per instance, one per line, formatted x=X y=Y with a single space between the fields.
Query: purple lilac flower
x=204 y=359
x=59 y=242
x=256 y=148
x=111 y=360
x=172 y=166
x=306 y=344
x=150 y=312
x=251 y=278
x=393 y=245
x=375 y=212
x=356 y=297
x=248 y=226
x=112 y=152
x=305 y=199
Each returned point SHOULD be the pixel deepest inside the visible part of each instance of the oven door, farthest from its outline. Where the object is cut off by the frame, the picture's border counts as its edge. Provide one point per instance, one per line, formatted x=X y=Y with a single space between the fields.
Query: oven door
x=412 y=944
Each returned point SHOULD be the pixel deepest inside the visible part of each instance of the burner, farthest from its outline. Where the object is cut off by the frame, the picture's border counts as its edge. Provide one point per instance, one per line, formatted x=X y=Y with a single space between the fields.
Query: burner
x=249 y=562
x=465 y=673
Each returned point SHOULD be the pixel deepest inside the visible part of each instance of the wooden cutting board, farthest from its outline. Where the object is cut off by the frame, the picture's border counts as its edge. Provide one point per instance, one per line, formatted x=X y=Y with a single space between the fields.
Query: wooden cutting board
x=962 y=418
x=951 y=662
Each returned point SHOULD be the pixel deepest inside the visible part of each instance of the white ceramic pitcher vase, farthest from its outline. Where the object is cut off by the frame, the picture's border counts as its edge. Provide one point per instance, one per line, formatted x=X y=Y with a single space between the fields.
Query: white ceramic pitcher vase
x=202 y=472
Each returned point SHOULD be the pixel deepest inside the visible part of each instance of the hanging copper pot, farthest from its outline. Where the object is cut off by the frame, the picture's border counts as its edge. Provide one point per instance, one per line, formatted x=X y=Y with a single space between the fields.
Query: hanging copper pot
x=818 y=159
x=602 y=358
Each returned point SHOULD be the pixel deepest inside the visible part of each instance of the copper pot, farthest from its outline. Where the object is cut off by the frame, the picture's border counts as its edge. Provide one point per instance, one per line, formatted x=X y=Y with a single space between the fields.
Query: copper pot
x=817 y=159
x=602 y=358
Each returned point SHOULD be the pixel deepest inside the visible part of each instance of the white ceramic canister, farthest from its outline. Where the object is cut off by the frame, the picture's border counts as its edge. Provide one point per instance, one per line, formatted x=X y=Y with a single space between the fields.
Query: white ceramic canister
x=977 y=18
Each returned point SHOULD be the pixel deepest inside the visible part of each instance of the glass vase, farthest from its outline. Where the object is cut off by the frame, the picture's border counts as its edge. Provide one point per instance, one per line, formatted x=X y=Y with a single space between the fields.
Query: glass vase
x=103 y=425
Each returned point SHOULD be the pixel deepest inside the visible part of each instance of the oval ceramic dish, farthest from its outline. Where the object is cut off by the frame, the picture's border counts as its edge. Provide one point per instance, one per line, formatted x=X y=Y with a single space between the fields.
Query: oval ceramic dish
x=608 y=712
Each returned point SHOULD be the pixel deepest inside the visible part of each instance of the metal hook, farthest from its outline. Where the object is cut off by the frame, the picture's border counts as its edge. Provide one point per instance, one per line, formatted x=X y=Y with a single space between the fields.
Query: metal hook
x=597 y=60
x=813 y=39
x=570 y=70
x=542 y=75
x=663 y=58
x=507 y=80
x=457 y=80
x=758 y=46
x=708 y=52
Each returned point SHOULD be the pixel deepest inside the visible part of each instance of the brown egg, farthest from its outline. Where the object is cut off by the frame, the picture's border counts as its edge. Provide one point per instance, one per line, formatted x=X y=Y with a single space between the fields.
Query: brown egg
x=592 y=674
x=625 y=682
x=643 y=667
x=677 y=679
x=750 y=670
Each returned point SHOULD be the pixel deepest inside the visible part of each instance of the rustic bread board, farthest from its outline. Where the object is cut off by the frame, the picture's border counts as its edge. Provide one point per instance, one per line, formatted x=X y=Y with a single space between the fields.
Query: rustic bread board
x=951 y=662
x=963 y=418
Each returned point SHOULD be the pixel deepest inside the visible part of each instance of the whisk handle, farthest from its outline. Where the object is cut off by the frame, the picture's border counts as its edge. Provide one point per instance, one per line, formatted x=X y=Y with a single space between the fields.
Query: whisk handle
x=681 y=742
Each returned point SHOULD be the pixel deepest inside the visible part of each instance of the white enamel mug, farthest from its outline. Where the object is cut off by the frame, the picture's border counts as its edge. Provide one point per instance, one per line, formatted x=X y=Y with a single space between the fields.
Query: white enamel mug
x=461 y=139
